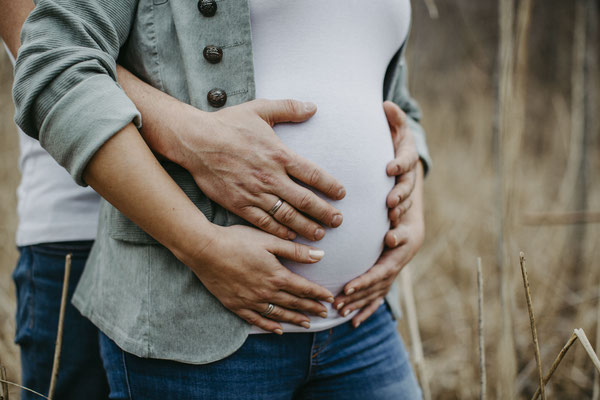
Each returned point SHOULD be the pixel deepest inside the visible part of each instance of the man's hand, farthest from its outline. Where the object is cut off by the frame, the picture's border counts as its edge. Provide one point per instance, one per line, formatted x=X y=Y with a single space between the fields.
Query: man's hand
x=240 y=267
x=241 y=164
x=238 y=161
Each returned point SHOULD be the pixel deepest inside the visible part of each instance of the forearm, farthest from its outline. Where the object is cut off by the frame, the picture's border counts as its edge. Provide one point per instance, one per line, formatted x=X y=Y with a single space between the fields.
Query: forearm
x=125 y=172
x=14 y=13
x=163 y=116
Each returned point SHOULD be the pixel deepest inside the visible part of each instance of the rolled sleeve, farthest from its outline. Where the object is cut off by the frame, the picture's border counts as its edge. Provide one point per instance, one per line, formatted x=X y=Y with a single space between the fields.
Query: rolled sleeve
x=65 y=90
x=83 y=120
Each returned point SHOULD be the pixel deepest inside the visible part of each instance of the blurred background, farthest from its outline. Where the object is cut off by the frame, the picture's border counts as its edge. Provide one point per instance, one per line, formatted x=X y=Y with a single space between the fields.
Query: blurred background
x=509 y=91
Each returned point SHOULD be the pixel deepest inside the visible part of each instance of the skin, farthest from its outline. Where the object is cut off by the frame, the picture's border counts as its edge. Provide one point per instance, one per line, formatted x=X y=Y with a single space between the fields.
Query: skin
x=215 y=161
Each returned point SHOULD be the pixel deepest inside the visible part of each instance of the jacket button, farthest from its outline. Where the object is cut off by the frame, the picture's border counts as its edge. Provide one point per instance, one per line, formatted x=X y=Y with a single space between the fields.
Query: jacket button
x=213 y=54
x=217 y=97
x=208 y=8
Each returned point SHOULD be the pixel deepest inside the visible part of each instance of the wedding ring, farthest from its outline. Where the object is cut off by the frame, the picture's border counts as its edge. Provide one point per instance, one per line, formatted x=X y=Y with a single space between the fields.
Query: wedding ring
x=269 y=310
x=276 y=207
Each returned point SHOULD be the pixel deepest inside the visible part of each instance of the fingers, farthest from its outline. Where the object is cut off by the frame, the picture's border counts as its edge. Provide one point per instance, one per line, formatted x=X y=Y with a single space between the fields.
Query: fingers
x=254 y=318
x=302 y=287
x=267 y=223
x=287 y=110
x=357 y=305
x=366 y=312
x=397 y=212
x=315 y=177
x=394 y=114
x=290 y=217
x=295 y=251
x=304 y=200
x=397 y=236
x=292 y=302
x=283 y=315
x=406 y=160
x=402 y=190
x=344 y=304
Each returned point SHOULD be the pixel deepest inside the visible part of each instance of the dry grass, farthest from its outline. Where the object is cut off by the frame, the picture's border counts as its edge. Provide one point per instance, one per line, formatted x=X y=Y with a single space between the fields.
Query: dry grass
x=452 y=59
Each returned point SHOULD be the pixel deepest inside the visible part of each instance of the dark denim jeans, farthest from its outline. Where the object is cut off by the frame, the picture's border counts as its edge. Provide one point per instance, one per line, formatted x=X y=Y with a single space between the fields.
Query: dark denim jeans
x=340 y=363
x=39 y=280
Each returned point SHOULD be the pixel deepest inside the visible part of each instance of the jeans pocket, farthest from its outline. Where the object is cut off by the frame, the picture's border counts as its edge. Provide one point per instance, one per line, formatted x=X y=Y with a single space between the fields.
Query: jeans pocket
x=22 y=276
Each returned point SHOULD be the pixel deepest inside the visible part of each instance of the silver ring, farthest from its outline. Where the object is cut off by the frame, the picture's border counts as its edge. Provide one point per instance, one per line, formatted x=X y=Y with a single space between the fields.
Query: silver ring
x=276 y=207
x=268 y=311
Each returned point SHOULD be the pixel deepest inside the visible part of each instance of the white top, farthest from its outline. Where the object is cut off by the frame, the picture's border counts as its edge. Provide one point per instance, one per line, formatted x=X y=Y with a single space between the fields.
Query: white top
x=51 y=206
x=335 y=54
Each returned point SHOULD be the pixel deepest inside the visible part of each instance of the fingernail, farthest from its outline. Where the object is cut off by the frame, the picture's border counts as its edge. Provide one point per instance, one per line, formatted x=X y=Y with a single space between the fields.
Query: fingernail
x=323 y=314
x=278 y=331
x=330 y=299
x=316 y=254
x=309 y=107
x=357 y=325
x=305 y=324
x=341 y=193
x=319 y=233
x=346 y=313
x=337 y=220
x=291 y=235
x=395 y=239
x=350 y=291
x=340 y=305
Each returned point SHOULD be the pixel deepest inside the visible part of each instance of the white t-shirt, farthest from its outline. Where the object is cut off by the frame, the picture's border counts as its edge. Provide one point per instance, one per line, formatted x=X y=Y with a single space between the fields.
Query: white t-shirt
x=335 y=53
x=51 y=206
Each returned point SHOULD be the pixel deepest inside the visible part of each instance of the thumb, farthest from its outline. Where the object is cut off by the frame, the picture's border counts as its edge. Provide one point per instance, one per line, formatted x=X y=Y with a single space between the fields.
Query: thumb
x=395 y=116
x=288 y=110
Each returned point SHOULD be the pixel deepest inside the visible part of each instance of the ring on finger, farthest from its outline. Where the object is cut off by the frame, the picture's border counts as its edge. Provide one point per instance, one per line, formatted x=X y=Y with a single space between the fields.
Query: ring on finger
x=275 y=207
x=268 y=311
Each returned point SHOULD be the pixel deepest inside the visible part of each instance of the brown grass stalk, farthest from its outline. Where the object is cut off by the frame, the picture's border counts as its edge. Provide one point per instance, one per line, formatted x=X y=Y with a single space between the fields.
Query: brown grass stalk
x=4 y=395
x=536 y=344
x=61 y=323
x=556 y=362
x=5 y=382
x=482 y=372
x=413 y=328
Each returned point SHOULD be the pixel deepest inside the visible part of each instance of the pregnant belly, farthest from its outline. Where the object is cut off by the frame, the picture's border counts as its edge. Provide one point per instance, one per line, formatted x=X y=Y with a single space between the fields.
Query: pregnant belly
x=354 y=147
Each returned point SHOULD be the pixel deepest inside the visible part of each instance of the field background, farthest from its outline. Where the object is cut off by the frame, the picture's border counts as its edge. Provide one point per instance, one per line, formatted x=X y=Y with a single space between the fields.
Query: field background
x=548 y=167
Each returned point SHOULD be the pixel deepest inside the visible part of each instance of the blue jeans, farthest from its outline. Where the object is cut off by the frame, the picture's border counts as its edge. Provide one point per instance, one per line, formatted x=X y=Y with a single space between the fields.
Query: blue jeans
x=369 y=362
x=39 y=280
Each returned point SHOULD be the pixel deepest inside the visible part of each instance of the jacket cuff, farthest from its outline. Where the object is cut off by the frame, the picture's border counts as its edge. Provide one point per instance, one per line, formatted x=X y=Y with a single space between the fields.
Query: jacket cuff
x=419 y=135
x=83 y=120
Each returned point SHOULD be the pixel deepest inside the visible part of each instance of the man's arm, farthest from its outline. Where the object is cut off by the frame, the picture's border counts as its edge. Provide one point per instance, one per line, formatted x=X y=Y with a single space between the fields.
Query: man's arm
x=14 y=13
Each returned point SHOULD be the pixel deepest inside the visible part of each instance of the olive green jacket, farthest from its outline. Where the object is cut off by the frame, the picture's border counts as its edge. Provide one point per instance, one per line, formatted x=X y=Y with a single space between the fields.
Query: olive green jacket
x=66 y=94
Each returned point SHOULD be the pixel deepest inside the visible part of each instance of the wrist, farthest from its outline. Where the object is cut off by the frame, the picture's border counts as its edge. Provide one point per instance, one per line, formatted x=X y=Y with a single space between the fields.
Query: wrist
x=194 y=243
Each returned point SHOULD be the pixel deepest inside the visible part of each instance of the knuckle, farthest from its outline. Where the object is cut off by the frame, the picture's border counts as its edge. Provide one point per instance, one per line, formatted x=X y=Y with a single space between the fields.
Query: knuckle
x=252 y=319
x=306 y=201
x=298 y=252
x=306 y=291
x=281 y=156
x=314 y=176
x=279 y=280
x=295 y=303
x=287 y=214
x=264 y=178
x=291 y=106
x=264 y=222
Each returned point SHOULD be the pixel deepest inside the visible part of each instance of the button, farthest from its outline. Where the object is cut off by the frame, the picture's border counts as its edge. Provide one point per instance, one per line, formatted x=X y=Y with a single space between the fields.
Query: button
x=217 y=97
x=208 y=8
x=213 y=54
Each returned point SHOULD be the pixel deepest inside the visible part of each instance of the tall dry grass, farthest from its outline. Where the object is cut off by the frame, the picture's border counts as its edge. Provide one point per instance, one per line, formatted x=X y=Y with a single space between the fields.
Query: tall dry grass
x=453 y=60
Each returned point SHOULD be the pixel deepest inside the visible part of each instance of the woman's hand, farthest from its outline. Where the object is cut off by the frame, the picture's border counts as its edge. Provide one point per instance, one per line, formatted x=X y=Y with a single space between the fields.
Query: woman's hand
x=403 y=166
x=407 y=231
x=240 y=268
x=368 y=290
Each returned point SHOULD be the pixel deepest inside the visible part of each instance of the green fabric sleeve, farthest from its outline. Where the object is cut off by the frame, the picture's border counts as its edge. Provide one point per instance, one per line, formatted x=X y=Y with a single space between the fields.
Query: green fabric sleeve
x=65 y=88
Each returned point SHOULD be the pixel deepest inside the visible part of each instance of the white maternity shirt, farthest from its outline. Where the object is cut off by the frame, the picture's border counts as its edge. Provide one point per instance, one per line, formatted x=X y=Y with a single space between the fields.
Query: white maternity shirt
x=335 y=54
